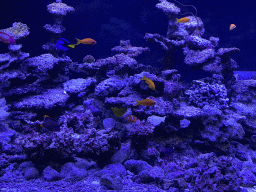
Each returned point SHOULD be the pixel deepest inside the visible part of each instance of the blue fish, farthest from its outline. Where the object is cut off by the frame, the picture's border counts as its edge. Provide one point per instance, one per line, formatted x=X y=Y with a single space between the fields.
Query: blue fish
x=62 y=44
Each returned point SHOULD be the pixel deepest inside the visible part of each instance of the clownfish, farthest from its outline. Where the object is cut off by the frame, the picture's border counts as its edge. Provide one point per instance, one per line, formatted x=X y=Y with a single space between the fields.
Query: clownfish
x=131 y=118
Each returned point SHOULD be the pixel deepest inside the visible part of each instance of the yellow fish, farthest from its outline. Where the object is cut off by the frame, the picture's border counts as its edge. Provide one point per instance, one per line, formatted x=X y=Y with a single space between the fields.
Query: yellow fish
x=182 y=20
x=146 y=102
x=150 y=83
x=119 y=112
x=89 y=41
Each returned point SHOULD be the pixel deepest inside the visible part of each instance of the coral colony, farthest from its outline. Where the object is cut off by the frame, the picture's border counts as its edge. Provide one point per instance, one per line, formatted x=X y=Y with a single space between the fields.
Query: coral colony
x=116 y=124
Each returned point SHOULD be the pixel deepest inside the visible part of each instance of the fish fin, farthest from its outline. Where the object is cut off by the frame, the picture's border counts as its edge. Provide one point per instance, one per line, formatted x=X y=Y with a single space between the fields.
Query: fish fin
x=72 y=45
x=144 y=78
x=41 y=125
x=78 y=41
x=138 y=102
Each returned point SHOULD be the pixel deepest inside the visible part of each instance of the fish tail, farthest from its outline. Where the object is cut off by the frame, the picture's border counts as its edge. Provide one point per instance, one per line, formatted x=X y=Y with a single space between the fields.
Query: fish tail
x=72 y=45
x=78 y=41
x=138 y=102
x=177 y=20
x=144 y=78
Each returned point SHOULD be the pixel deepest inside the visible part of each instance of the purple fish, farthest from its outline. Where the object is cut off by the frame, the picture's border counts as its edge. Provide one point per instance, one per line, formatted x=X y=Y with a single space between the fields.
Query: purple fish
x=7 y=38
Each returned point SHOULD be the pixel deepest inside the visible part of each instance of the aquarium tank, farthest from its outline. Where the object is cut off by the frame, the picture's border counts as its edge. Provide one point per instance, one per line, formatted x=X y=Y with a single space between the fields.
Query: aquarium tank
x=127 y=96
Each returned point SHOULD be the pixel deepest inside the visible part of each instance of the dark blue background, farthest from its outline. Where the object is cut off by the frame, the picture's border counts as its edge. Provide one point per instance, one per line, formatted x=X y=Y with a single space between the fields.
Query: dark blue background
x=109 y=21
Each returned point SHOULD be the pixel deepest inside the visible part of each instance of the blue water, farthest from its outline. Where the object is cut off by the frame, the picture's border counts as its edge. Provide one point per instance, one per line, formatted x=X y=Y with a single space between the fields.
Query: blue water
x=109 y=21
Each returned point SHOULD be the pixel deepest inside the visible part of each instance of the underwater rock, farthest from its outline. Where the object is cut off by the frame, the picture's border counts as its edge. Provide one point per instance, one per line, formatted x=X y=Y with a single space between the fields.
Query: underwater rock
x=233 y=129
x=95 y=106
x=57 y=29
x=84 y=163
x=122 y=154
x=15 y=48
x=137 y=166
x=4 y=58
x=109 y=87
x=213 y=66
x=109 y=123
x=164 y=42
x=78 y=85
x=71 y=173
x=88 y=59
x=224 y=53
x=140 y=129
x=112 y=182
x=126 y=48
x=212 y=122
x=243 y=109
x=12 y=74
x=194 y=42
x=171 y=74
x=31 y=173
x=116 y=169
x=49 y=174
x=17 y=31
x=153 y=175
x=168 y=8
x=24 y=90
x=197 y=58
x=123 y=101
x=3 y=109
x=171 y=90
x=40 y=64
x=214 y=41
x=49 y=99
x=59 y=8
x=184 y=123
x=203 y=93
x=156 y=120
x=188 y=112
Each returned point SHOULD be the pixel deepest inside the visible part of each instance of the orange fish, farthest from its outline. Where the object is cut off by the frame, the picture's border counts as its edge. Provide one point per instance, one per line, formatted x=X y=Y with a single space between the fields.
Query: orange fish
x=182 y=20
x=83 y=41
x=145 y=102
x=232 y=26
x=131 y=118
x=150 y=83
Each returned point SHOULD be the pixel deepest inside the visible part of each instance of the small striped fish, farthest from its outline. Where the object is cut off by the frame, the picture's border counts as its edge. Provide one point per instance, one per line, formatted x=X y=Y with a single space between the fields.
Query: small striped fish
x=131 y=118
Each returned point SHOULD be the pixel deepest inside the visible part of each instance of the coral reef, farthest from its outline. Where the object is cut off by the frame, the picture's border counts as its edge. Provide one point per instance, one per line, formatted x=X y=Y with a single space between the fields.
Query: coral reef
x=57 y=118
x=58 y=10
